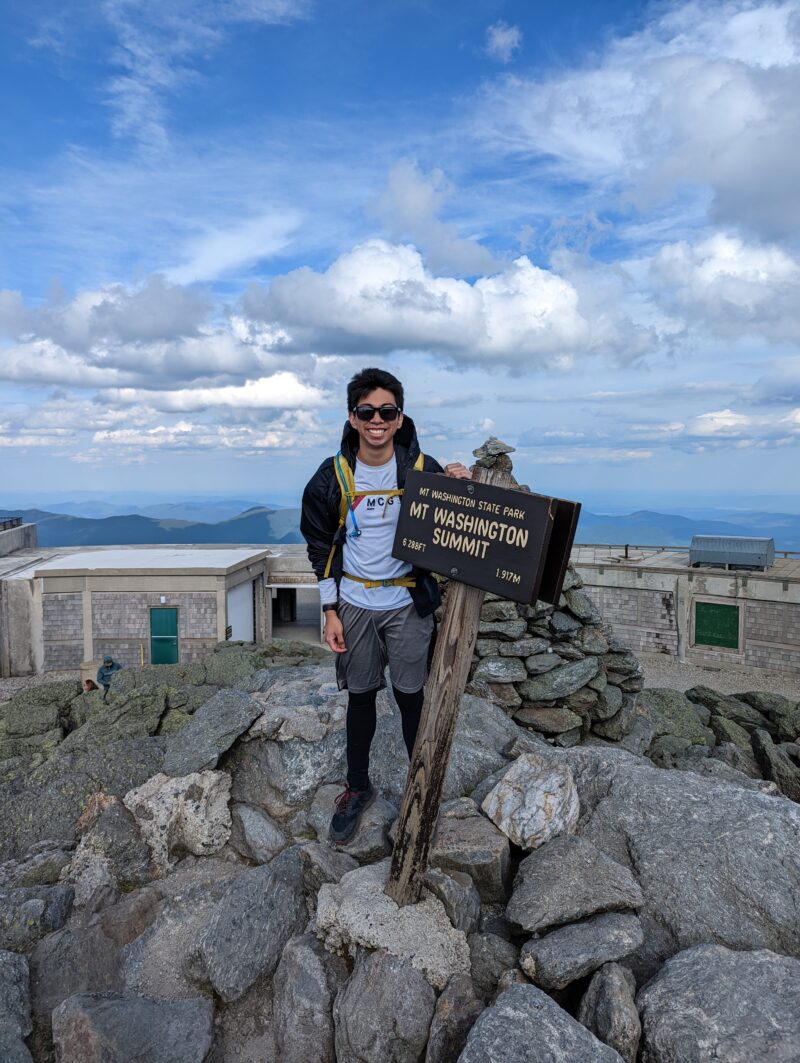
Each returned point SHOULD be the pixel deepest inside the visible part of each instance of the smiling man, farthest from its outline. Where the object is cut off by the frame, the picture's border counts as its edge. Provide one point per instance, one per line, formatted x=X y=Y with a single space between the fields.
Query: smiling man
x=378 y=610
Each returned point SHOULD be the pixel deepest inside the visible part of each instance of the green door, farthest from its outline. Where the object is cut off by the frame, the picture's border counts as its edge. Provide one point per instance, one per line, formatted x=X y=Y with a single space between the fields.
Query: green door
x=716 y=625
x=164 y=636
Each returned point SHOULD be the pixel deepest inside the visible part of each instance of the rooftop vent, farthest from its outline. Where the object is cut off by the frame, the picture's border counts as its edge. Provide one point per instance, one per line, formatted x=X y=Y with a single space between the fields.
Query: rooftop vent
x=732 y=551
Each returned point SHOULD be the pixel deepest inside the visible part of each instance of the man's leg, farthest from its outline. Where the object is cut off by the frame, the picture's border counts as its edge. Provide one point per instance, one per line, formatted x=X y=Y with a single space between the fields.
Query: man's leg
x=410 y=706
x=360 y=732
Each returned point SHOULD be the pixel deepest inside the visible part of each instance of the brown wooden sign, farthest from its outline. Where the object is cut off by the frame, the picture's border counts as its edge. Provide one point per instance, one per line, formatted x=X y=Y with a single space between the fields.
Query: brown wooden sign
x=510 y=542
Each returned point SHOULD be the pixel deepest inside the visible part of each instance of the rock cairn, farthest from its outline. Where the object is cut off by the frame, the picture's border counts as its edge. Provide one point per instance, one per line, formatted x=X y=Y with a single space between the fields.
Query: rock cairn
x=559 y=671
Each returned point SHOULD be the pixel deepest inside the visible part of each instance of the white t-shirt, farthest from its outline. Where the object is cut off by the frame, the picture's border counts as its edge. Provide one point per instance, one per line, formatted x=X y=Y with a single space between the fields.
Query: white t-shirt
x=370 y=554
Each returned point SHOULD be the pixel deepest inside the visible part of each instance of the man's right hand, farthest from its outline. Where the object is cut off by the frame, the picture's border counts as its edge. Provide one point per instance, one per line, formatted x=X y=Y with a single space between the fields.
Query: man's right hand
x=333 y=634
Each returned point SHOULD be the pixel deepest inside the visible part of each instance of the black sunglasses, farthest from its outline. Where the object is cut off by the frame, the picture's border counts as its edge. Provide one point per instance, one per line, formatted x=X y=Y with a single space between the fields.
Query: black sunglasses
x=387 y=412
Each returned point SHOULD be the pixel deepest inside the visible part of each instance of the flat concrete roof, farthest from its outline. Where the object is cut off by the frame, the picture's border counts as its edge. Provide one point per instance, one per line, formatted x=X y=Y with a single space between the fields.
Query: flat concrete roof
x=115 y=560
x=674 y=559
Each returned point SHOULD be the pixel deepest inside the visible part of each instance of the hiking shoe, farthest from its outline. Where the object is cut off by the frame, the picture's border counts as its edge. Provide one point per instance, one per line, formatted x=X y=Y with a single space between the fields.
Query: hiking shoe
x=349 y=807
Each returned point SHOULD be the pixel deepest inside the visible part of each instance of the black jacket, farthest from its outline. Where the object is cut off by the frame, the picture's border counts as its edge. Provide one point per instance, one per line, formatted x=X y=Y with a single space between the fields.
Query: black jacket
x=319 y=519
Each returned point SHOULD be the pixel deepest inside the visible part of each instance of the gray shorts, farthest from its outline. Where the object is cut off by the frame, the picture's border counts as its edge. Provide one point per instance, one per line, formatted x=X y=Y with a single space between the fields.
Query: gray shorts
x=374 y=638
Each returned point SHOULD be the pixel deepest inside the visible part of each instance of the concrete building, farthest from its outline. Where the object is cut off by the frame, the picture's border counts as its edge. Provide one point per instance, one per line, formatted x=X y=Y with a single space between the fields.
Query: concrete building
x=658 y=603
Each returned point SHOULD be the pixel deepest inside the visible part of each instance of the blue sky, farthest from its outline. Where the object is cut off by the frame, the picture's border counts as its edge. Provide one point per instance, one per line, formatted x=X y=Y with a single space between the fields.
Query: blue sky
x=572 y=226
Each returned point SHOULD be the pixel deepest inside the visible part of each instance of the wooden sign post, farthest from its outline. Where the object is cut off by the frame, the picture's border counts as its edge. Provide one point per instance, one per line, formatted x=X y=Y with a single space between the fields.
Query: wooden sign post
x=513 y=543
x=449 y=671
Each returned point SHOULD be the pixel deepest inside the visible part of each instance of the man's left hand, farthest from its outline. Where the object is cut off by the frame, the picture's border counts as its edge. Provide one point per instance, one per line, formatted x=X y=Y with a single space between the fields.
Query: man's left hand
x=457 y=471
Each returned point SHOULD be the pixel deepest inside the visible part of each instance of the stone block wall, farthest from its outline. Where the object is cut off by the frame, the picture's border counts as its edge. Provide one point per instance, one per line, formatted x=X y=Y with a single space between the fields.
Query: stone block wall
x=557 y=670
x=645 y=619
x=772 y=635
x=62 y=630
x=121 y=624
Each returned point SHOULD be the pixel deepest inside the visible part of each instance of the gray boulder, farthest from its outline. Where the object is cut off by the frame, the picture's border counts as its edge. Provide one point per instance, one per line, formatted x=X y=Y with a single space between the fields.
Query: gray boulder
x=15 y=1004
x=524 y=1025
x=778 y=764
x=608 y=1009
x=456 y=1011
x=305 y=985
x=383 y=1013
x=730 y=707
x=249 y=927
x=711 y=1003
x=568 y=879
x=212 y=730
x=490 y=956
x=476 y=847
x=255 y=835
x=29 y=912
x=617 y=726
x=500 y=670
x=115 y=1029
x=714 y=861
x=571 y=952
x=458 y=894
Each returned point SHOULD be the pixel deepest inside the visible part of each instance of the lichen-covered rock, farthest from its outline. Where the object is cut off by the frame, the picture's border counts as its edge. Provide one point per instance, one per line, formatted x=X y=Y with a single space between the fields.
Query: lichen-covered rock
x=182 y=815
x=28 y=913
x=111 y=1028
x=357 y=912
x=305 y=986
x=619 y=725
x=500 y=670
x=383 y=1013
x=710 y=1002
x=560 y=681
x=213 y=729
x=534 y=801
x=110 y=852
x=779 y=763
x=522 y=1017
x=568 y=879
x=608 y=1009
x=730 y=707
x=15 y=1004
x=672 y=714
x=571 y=952
x=547 y=719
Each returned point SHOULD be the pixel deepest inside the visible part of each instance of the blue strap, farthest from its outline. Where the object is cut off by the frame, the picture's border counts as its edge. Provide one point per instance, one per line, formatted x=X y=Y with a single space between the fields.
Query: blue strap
x=354 y=534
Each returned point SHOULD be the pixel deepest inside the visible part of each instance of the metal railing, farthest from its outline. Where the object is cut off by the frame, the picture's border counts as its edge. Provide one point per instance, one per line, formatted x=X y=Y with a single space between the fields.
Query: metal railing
x=12 y=522
x=649 y=550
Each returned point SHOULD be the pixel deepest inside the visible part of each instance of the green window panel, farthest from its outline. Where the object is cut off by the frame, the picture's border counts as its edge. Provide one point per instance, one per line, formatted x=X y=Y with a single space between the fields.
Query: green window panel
x=164 y=636
x=716 y=625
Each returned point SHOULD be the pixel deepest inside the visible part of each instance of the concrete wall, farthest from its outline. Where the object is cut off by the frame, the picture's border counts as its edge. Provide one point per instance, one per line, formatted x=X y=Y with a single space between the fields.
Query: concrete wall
x=21 y=538
x=19 y=621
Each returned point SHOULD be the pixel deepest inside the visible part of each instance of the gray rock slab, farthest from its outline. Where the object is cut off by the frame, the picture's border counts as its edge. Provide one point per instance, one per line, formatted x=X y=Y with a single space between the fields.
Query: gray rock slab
x=617 y=726
x=780 y=766
x=458 y=894
x=560 y=681
x=13 y=1049
x=712 y=1003
x=609 y=1010
x=524 y=1025
x=28 y=913
x=456 y=1011
x=477 y=848
x=524 y=647
x=212 y=730
x=547 y=719
x=500 y=670
x=112 y=1028
x=571 y=952
x=305 y=986
x=15 y=1003
x=714 y=860
x=383 y=1013
x=249 y=927
x=502 y=629
x=730 y=707
x=490 y=956
x=581 y=605
x=568 y=879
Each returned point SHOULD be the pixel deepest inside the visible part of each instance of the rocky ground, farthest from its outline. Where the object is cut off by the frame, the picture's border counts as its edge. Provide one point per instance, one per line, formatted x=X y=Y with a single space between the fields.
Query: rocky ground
x=167 y=893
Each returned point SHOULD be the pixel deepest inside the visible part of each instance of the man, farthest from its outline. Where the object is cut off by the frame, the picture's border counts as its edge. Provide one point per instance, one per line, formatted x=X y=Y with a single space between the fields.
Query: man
x=377 y=609
x=105 y=673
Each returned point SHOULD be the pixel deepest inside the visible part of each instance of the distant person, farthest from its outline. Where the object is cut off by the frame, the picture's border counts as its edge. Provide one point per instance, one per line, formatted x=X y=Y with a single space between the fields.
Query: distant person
x=105 y=673
x=89 y=685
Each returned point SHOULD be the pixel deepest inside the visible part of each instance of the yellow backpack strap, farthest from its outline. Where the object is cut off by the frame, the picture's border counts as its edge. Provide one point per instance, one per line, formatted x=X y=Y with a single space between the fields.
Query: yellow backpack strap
x=418 y=464
x=347 y=489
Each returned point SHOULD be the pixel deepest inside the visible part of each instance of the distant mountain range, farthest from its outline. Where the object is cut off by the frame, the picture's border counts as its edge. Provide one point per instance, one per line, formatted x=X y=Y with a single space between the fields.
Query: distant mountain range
x=258 y=523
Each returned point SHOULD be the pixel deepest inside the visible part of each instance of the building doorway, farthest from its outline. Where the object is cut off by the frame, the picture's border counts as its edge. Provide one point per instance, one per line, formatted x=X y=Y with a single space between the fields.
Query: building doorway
x=164 y=636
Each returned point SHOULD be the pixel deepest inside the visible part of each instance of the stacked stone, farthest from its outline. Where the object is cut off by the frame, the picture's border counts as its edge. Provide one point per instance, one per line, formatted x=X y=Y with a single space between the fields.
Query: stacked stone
x=558 y=670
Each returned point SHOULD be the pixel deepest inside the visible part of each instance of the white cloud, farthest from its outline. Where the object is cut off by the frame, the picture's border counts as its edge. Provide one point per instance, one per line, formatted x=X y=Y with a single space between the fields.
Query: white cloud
x=218 y=251
x=281 y=390
x=705 y=94
x=502 y=41
x=409 y=208
x=380 y=298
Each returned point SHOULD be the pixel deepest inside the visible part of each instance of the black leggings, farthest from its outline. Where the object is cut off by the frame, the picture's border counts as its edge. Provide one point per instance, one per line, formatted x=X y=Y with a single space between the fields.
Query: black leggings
x=361 y=730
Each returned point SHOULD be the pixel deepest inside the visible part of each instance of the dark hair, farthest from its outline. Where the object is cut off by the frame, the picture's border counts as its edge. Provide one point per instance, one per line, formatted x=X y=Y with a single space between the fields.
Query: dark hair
x=369 y=379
